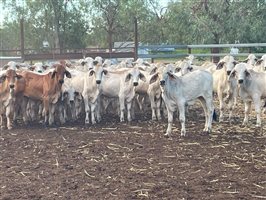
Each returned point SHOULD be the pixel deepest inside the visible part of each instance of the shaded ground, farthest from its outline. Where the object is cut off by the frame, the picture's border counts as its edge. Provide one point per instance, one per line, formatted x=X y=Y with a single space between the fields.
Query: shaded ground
x=121 y=161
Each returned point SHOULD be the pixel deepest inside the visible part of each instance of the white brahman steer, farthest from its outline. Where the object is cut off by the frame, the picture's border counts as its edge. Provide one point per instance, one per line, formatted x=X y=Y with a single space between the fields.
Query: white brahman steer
x=91 y=92
x=221 y=85
x=177 y=91
x=251 y=88
x=260 y=65
x=121 y=84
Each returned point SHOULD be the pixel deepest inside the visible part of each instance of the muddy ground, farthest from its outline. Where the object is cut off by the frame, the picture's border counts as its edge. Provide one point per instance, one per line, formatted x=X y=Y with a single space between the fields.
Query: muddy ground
x=114 y=160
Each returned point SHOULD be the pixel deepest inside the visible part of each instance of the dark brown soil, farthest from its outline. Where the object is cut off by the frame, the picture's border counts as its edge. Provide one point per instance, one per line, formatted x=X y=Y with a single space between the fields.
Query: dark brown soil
x=114 y=160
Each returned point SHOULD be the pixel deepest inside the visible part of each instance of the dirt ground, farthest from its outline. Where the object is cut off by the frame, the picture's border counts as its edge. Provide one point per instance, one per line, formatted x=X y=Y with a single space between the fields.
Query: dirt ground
x=114 y=160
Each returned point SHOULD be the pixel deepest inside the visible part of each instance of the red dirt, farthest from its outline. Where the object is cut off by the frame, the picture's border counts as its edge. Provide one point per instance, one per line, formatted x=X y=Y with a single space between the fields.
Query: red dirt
x=114 y=160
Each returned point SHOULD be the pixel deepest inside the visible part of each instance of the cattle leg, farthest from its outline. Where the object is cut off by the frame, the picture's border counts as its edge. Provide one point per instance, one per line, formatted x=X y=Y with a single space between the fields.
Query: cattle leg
x=93 y=107
x=220 y=97
x=2 y=121
x=87 y=111
x=182 y=119
x=51 y=114
x=208 y=103
x=257 y=103
x=46 y=111
x=170 y=122
x=153 y=107
x=9 y=115
x=247 y=111
x=129 y=104
x=158 y=108
x=122 y=109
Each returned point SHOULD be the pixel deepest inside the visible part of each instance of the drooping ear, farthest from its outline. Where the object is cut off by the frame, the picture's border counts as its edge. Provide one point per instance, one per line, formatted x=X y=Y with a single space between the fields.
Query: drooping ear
x=45 y=67
x=91 y=72
x=171 y=75
x=232 y=74
x=141 y=69
x=2 y=78
x=220 y=65
x=235 y=62
x=53 y=74
x=247 y=73
x=154 y=78
x=18 y=76
x=153 y=70
x=128 y=77
x=105 y=71
x=259 y=62
x=142 y=77
x=177 y=69
x=83 y=63
x=5 y=67
x=68 y=75
x=32 y=68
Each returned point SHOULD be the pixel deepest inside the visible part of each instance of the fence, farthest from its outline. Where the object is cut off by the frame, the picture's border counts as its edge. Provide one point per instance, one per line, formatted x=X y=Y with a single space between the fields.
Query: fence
x=213 y=51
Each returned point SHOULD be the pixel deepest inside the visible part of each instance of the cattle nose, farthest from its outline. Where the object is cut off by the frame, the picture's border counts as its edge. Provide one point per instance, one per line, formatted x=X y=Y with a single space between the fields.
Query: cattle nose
x=61 y=81
x=98 y=82
x=39 y=71
x=135 y=83
x=240 y=81
x=228 y=73
x=12 y=86
x=162 y=82
x=71 y=101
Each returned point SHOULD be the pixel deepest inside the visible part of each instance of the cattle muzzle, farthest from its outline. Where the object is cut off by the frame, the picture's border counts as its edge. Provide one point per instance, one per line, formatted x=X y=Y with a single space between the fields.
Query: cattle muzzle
x=61 y=81
x=240 y=81
x=162 y=82
x=11 y=86
x=228 y=73
x=71 y=102
x=98 y=82
x=135 y=83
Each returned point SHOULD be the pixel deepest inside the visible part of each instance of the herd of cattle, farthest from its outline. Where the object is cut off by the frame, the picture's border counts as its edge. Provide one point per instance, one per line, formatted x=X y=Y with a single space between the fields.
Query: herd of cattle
x=64 y=91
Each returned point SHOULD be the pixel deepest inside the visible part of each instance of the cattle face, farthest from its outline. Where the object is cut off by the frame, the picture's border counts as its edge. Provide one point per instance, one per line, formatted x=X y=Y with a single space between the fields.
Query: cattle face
x=135 y=75
x=59 y=73
x=9 y=78
x=98 y=71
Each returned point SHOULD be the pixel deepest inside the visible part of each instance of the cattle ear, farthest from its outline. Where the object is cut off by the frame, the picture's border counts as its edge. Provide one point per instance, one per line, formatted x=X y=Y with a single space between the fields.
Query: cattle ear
x=259 y=62
x=5 y=67
x=2 y=78
x=45 y=67
x=177 y=69
x=220 y=65
x=68 y=75
x=128 y=77
x=53 y=74
x=141 y=69
x=153 y=70
x=235 y=62
x=232 y=74
x=154 y=78
x=91 y=72
x=171 y=75
x=83 y=63
x=105 y=71
x=18 y=76
x=142 y=77
x=31 y=68
x=247 y=73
